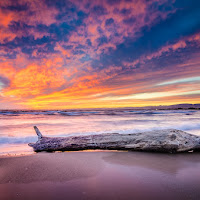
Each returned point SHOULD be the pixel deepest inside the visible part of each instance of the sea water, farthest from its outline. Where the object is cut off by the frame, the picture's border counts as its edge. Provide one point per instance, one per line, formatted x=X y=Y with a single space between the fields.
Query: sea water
x=16 y=127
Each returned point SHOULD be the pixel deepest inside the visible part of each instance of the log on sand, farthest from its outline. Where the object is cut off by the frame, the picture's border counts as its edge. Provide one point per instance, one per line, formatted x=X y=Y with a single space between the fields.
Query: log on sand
x=170 y=141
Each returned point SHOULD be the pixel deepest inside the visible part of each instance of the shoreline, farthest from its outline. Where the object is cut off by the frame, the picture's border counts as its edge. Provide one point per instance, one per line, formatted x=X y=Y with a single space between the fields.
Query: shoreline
x=32 y=153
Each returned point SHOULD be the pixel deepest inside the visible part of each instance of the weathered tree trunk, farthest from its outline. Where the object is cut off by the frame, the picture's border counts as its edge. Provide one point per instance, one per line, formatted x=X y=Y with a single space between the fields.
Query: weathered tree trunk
x=170 y=140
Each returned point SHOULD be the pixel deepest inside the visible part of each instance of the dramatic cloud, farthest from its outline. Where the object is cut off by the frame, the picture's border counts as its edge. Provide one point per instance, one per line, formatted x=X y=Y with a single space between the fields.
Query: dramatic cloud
x=103 y=53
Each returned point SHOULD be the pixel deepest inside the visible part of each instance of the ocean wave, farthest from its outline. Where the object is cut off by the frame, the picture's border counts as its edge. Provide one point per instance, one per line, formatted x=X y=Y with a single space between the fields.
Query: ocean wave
x=25 y=140
x=98 y=112
x=17 y=140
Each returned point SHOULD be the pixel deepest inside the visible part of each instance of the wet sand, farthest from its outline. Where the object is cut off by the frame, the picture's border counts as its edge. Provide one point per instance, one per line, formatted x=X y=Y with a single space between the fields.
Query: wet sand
x=100 y=175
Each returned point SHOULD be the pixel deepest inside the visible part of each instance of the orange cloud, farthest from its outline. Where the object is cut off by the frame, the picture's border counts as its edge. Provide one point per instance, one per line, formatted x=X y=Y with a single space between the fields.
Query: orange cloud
x=35 y=79
x=41 y=14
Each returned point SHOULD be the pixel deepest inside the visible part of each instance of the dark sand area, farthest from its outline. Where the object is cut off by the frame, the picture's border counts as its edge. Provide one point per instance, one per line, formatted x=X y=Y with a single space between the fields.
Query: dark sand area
x=100 y=175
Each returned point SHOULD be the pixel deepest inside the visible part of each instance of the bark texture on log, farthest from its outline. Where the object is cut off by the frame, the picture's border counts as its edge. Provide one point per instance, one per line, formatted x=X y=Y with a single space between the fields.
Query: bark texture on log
x=170 y=140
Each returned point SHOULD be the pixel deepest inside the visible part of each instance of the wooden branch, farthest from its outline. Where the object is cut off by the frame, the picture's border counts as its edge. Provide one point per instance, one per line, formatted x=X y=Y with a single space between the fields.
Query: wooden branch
x=38 y=132
x=170 y=140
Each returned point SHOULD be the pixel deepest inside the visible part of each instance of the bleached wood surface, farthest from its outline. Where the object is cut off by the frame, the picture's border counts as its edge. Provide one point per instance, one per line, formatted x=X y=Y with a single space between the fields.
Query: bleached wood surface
x=170 y=140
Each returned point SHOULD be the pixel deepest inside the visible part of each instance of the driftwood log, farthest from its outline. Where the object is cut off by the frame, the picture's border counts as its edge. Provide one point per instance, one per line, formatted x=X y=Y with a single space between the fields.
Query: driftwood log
x=170 y=140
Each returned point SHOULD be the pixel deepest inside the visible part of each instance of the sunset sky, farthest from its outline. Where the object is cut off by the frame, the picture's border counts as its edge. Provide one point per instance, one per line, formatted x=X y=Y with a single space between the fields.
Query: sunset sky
x=59 y=54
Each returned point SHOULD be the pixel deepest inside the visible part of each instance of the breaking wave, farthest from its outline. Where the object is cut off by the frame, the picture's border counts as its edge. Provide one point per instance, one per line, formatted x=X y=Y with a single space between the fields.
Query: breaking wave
x=97 y=112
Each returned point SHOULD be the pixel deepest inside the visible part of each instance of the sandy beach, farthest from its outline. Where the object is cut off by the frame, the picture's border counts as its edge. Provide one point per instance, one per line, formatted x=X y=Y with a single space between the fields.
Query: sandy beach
x=100 y=175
